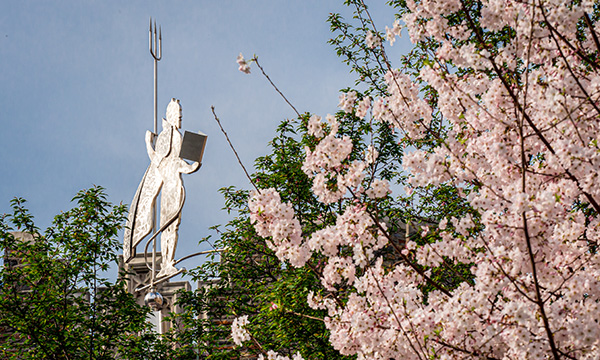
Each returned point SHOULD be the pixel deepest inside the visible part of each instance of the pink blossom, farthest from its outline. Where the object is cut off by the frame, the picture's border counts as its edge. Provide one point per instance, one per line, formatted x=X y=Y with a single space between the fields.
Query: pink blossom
x=238 y=330
x=243 y=65
x=347 y=101
x=372 y=40
x=315 y=127
x=363 y=107
x=391 y=34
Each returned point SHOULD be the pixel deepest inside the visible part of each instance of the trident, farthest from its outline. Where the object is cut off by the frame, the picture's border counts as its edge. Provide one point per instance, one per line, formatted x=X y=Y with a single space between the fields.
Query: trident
x=156 y=52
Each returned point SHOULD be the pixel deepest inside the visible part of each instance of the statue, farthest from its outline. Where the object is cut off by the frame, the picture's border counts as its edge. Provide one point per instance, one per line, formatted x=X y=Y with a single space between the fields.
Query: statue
x=163 y=173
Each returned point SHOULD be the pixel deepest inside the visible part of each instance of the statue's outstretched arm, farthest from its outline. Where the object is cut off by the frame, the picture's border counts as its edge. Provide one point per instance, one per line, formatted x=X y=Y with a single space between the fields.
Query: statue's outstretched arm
x=186 y=168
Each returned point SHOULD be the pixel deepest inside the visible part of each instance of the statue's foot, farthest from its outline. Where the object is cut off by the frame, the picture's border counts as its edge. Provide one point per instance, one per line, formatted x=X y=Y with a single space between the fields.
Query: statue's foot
x=166 y=271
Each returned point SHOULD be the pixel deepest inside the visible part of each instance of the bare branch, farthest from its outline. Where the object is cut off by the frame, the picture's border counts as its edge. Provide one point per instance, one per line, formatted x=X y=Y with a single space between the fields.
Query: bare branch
x=255 y=59
x=232 y=148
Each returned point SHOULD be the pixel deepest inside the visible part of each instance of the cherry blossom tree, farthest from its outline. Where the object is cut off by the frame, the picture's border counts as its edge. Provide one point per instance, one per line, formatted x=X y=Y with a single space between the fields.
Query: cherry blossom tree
x=497 y=108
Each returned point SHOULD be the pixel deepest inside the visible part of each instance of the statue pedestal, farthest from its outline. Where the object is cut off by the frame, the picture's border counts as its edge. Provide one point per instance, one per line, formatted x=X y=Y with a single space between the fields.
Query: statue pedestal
x=138 y=275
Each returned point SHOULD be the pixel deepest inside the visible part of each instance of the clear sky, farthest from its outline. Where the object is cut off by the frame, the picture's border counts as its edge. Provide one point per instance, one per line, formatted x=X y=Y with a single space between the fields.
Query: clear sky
x=76 y=93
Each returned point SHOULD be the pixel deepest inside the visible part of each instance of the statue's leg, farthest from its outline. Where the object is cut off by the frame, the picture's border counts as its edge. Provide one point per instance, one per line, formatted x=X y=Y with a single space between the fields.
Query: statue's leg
x=171 y=202
x=144 y=214
x=141 y=215
x=168 y=244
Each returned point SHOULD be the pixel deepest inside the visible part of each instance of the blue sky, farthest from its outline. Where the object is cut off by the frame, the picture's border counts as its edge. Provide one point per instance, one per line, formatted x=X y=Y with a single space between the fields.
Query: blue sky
x=76 y=93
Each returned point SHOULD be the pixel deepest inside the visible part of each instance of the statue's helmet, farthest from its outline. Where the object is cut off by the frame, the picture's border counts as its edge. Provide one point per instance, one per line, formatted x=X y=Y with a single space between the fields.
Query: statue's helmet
x=174 y=113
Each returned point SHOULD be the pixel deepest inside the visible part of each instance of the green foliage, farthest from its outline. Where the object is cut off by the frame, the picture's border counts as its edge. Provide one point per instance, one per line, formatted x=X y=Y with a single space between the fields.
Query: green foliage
x=54 y=303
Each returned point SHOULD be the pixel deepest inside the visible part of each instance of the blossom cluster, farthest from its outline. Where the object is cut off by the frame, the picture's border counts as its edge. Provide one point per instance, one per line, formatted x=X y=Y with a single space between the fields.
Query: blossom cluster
x=391 y=33
x=328 y=164
x=275 y=220
x=239 y=333
x=355 y=231
x=373 y=40
x=325 y=162
x=272 y=355
x=243 y=64
x=347 y=101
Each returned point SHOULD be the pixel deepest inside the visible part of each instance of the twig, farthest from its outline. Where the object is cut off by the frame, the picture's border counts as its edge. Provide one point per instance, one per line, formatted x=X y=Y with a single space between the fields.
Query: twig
x=303 y=315
x=255 y=59
x=232 y=148
x=589 y=24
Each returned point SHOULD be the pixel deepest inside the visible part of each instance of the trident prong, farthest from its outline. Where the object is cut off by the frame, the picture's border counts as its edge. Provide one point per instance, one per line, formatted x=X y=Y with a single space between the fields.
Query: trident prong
x=156 y=52
x=155 y=41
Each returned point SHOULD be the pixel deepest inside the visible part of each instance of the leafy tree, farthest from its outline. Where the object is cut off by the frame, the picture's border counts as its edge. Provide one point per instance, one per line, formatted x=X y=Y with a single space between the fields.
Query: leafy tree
x=54 y=302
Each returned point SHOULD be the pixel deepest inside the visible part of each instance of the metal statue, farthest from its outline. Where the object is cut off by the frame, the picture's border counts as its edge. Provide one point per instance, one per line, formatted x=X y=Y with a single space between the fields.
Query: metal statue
x=163 y=173
x=167 y=151
x=162 y=176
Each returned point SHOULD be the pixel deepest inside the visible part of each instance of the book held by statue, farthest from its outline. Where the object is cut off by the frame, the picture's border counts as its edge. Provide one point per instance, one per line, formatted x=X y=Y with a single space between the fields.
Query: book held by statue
x=192 y=147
